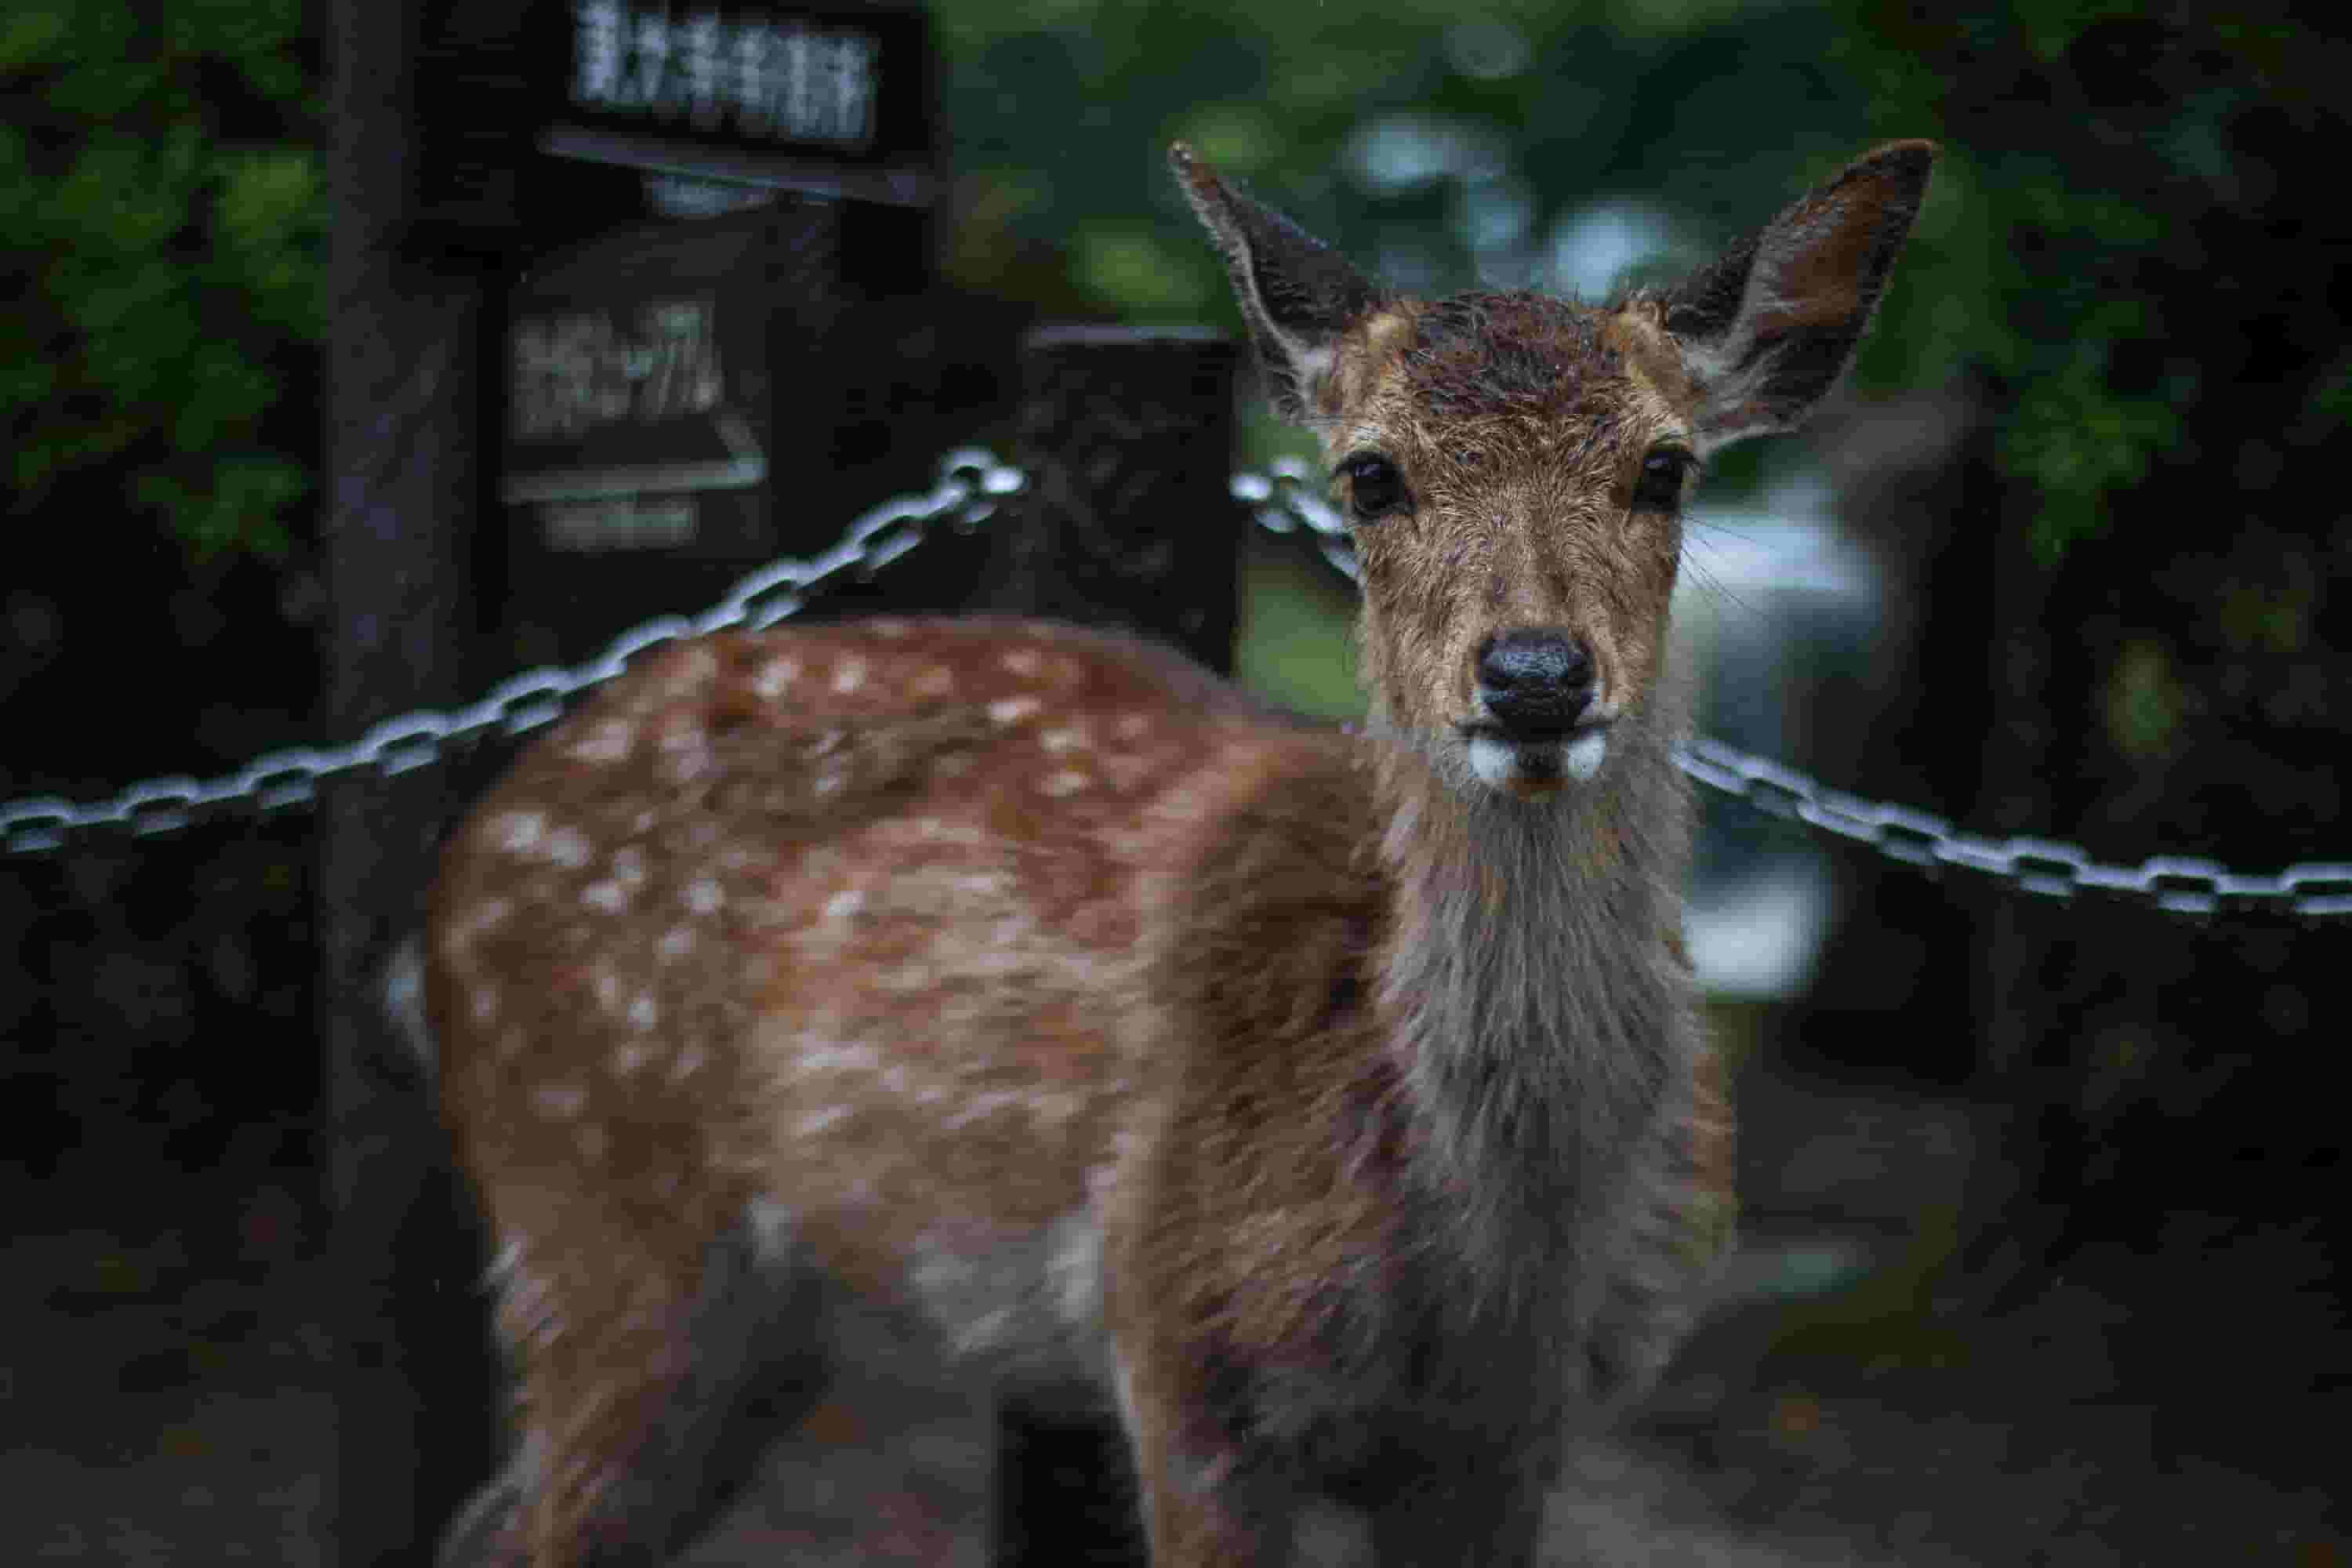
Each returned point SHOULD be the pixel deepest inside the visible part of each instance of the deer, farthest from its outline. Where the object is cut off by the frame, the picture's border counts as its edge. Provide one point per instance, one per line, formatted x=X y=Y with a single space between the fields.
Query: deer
x=1333 y=1103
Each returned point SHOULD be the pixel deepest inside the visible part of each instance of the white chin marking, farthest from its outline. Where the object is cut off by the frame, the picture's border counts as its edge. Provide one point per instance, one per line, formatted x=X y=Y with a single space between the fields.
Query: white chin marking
x=1494 y=759
x=1537 y=768
x=1586 y=753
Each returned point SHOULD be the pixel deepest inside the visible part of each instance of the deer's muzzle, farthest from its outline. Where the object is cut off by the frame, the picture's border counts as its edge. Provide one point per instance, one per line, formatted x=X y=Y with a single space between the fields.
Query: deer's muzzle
x=1535 y=729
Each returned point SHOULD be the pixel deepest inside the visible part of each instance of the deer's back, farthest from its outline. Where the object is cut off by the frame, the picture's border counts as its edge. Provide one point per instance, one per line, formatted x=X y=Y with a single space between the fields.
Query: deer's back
x=852 y=925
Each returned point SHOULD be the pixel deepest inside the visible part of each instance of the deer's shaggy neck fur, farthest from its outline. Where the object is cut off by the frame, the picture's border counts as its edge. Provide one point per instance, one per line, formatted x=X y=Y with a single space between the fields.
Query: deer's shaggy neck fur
x=1536 y=986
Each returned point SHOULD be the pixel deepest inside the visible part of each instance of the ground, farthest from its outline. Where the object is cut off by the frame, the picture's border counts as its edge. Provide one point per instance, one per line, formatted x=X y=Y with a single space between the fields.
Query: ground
x=166 y=1401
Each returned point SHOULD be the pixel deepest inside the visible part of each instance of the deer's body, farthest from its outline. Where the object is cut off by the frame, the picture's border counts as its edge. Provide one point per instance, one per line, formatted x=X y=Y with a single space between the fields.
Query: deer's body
x=1334 y=1103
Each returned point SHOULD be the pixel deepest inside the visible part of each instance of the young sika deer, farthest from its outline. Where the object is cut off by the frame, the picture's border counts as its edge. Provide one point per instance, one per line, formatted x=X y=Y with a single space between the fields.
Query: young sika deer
x=1336 y=1101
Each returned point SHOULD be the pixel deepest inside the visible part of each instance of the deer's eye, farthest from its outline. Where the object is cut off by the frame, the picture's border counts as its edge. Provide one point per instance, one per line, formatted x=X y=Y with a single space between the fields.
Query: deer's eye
x=1660 y=486
x=1375 y=489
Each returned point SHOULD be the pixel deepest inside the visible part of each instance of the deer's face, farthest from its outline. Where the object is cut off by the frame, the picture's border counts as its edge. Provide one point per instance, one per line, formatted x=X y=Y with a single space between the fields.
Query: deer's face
x=1513 y=468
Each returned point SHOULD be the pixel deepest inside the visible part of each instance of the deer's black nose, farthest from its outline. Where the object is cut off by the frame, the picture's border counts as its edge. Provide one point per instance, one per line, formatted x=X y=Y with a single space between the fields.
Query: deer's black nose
x=1535 y=682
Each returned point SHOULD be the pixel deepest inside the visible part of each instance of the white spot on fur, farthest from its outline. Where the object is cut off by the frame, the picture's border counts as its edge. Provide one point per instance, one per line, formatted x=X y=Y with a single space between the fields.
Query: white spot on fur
x=1013 y=709
x=696 y=665
x=629 y=865
x=562 y=1101
x=1069 y=781
x=569 y=848
x=644 y=1012
x=816 y=1121
x=1068 y=738
x=631 y=1057
x=607 y=742
x=849 y=675
x=610 y=896
x=518 y=832
x=844 y=904
x=703 y=897
x=775 y=677
x=1132 y=726
x=936 y=682
x=889 y=629
x=979 y=1107
x=676 y=942
x=689 y=1062
x=1023 y=661
x=829 y=781
x=1053 y=1108
x=821 y=1053
x=484 y=1004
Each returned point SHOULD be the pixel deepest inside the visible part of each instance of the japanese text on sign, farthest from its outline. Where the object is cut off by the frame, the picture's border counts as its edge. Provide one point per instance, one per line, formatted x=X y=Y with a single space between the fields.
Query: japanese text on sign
x=575 y=370
x=784 y=79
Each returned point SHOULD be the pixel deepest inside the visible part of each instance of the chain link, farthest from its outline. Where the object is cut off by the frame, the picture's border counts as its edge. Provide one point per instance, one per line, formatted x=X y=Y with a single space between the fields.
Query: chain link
x=970 y=484
x=1283 y=500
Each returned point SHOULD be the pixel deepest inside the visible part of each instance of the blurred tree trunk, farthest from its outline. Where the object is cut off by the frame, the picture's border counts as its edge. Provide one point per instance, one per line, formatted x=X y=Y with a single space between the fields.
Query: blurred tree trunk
x=403 y=489
x=2180 y=683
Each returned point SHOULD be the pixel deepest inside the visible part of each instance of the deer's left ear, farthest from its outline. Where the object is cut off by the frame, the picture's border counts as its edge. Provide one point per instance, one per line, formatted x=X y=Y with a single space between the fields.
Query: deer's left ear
x=1297 y=293
x=1766 y=329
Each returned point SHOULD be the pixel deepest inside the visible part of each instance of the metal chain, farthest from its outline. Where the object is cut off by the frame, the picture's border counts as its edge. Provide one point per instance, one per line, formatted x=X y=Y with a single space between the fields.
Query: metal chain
x=970 y=482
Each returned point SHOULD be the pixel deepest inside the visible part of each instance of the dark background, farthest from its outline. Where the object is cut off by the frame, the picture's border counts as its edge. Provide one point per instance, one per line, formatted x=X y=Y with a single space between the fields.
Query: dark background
x=2094 y=446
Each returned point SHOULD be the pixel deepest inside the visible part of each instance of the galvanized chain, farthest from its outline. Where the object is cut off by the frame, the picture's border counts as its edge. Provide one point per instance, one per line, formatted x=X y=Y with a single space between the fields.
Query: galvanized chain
x=970 y=482
x=1291 y=497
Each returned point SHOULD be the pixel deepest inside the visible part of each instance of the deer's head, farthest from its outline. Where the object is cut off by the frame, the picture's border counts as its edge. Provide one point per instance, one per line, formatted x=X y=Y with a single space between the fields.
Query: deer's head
x=1514 y=467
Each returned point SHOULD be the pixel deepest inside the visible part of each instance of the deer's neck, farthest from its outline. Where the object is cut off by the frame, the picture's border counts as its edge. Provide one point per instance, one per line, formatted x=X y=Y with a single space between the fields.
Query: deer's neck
x=1534 y=984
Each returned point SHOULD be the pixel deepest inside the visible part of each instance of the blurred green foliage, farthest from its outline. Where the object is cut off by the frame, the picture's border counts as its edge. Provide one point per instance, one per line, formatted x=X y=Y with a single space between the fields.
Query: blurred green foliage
x=2092 y=150
x=163 y=216
x=164 y=207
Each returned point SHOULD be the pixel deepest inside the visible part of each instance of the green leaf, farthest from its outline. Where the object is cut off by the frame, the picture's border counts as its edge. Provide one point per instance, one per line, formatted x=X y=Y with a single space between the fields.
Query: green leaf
x=35 y=36
x=1140 y=272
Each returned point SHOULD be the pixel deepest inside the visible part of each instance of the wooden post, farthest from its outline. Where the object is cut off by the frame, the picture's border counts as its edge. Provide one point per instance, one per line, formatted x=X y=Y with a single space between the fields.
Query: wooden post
x=1127 y=436
x=402 y=493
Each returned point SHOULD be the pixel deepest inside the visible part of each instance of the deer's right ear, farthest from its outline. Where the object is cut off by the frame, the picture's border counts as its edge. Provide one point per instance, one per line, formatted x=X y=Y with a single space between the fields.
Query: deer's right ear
x=1297 y=292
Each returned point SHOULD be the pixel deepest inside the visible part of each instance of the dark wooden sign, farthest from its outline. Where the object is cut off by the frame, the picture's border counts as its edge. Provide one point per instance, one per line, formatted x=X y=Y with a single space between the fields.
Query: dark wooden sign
x=641 y=436
x=834 y=98
x=549 y=117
